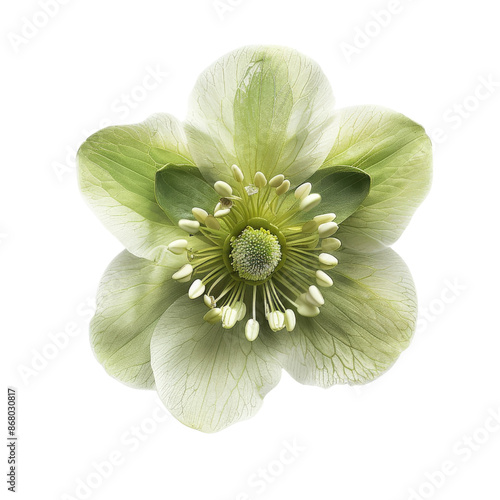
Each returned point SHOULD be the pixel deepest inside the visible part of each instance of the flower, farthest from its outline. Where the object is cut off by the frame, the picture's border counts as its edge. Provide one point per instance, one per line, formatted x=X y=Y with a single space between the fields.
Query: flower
x=257 y=238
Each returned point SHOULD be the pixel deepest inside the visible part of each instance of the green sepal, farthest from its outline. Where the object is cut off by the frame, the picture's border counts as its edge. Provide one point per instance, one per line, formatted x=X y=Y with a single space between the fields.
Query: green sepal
x=179 y=188
x=342 y=189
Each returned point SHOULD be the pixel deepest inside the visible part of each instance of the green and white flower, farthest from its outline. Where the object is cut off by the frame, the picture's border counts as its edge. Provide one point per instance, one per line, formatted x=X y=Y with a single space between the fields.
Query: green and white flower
x=256 y=238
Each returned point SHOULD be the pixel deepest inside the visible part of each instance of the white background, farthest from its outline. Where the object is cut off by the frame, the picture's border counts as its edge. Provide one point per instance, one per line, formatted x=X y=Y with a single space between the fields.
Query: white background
x=67 y=77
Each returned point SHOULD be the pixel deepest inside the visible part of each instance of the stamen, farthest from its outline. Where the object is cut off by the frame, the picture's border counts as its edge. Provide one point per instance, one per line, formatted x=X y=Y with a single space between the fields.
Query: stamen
x=237 y=173
x=277 y=180
x=283 y=187
x=322 y=279
x=310 y=227
x=321 y=219
x=327 y=259
x=222 y=213
x=212 y=223
x=216 y=283
x=190 y=226
x=305 y=309
x=196 y=289
x=314 y=296
x=209 y=301
x=327 y=229
x=290 y=320
x=254 y=297
x=276 y=321
x=242 y=310
x=199 y=214
x=294 y=277
x=256 y=252
x=184 y=272
x=226 y=290
x=178 y=247
x=229 y=317
x=310 y=201
x=259 y=180
x=303 y=190
x=223 y=188
x=252 y=330
x=213 y=316
x=330 y=244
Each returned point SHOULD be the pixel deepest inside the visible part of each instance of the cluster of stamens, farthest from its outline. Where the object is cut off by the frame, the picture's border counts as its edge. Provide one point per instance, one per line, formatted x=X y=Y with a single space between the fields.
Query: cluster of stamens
x=253 y=256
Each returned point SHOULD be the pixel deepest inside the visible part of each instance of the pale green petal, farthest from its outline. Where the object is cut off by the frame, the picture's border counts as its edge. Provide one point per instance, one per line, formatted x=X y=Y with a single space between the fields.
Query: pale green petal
x=209 y=377
x=117 y=168
x=132 y=296
x=367 y=321
x=265 y=109
x=397 y=154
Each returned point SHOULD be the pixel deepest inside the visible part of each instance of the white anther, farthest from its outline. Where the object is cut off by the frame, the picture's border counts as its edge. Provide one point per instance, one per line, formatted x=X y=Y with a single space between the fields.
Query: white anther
x=304 y=308
x=178 y=246
x=218 y=206
x=310 y=227
x=242 y=309
x=209 y=301
x=277 y=180
x=212 y=223
x=315 y=297
x=223 y=188
x=308 y=311
x=229 y=316
x=199 y=214
x=290 y=320
x=303 y=190
x=259 y=180
x=276 y=321
x=237 y=173
x=327 y=229
x=190 y=226
x=321 y=219
x=327 y=259
x=322 y=279
x=184 y=272
x=252 y=330
x=283 y=187
x=310 y=201
x=222 y=213
x=196 y=289
x=330 y=244
x=213 y=316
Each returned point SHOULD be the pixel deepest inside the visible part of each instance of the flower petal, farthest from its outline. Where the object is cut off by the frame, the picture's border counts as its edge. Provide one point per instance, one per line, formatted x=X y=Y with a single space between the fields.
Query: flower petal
x=265 y=109
x=132 y=296
x=367 y=321
x=117 y=168
x=397 y=154
x=209 y=377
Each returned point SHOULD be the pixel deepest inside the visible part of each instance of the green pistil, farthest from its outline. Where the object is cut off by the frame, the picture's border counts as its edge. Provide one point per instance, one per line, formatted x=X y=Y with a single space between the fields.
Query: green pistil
x=255 y=254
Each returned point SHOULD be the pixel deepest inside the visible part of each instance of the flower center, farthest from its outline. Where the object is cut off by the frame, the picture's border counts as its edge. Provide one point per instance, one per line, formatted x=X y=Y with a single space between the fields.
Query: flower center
x=256 y=256
x=255 y=253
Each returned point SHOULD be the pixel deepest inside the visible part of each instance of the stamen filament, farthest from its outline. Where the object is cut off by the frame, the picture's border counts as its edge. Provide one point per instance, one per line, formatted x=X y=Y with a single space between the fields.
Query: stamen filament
x=256 y=254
